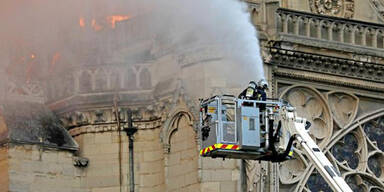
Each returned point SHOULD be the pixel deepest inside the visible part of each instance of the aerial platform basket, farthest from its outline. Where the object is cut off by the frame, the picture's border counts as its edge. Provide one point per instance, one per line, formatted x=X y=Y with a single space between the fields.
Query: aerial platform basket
x=235 y=128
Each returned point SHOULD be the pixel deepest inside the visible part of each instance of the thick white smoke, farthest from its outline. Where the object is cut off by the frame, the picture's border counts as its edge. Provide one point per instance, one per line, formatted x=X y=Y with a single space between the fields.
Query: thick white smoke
x=34 y=32
x=214 y=22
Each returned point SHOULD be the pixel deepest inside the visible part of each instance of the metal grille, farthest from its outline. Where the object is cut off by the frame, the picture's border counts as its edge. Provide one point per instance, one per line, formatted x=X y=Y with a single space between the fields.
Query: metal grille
x=229 y=132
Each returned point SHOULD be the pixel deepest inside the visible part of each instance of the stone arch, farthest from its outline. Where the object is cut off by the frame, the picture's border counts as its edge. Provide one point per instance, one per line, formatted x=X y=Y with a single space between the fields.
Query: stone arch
x=130 y=82
x=85 y=81
x=254 y=14
x=68 y=84
x=115 y=80
x=51 y=90
x=145 y=79
x=100 y=80
x=181 y=159
x=171 y=125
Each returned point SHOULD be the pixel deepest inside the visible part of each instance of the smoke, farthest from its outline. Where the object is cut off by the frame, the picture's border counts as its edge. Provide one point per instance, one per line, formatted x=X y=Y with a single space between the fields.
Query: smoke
x=41 y=36
x=215 y=22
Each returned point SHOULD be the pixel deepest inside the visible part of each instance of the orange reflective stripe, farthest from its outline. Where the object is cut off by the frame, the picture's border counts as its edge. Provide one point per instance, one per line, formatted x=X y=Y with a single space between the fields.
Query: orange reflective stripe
x=219 y=146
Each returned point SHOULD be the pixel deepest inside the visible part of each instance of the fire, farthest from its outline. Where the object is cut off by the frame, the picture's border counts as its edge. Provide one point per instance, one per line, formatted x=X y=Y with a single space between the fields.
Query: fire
x=117 y=18
x=55 y=59
x=30 y=65
x=111 y=20
x=82 y=22
x=96 y=26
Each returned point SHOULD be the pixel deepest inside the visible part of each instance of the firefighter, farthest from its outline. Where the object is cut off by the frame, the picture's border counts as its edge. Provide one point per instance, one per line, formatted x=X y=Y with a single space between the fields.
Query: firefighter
x=262 y=86
x=250 y=93
x=255 y=91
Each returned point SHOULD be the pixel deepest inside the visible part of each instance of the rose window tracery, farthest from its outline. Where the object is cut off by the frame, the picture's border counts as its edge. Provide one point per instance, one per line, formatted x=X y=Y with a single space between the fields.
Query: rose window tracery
x=375 y=131
x=346 y=150
x=354 y=143
x=339 y=8
x=311 y=105
x=375 y=164
x=317 y=183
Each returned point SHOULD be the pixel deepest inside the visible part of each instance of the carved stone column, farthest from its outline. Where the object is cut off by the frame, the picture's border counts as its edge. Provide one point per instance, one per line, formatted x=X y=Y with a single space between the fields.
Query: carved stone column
x=307 y=22
x=353 y=34
x=296 y=22
x=284 y=20
x=364 y=36
x=319 y=24
x=330 y=26
x=341 y=32
x=382 y=35
x=374 y=33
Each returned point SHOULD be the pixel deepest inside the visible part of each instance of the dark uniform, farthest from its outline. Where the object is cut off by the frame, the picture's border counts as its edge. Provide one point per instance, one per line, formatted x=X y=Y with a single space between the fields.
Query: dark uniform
x=250 y=93
x=254 y=92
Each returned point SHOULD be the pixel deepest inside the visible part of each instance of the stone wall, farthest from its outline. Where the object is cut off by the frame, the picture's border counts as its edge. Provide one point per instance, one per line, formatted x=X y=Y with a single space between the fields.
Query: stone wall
x=220 y=175
x=187 y=171
x=103 y=172
x=150 y=163
x=34 y=169
x=4 y=179
x=182 y=164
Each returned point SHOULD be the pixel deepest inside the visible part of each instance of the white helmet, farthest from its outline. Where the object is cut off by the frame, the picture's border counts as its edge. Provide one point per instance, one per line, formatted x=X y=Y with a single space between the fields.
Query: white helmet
x=262 y=84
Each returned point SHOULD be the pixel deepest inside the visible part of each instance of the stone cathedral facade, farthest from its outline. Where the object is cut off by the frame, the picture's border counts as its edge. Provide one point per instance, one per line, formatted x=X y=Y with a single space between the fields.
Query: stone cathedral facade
x=326 y=57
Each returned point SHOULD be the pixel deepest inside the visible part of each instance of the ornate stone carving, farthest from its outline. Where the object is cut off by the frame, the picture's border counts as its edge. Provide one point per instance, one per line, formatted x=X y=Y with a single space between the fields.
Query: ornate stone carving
x=101 y=120
x=29 y=89
x=339 y=8
x=326 y=64
x=292 y=171
x=311 y=105
x=253 y=174
x=343 y=107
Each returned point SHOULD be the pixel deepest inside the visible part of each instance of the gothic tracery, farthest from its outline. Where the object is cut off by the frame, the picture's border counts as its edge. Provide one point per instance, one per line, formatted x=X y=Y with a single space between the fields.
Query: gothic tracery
x=354 y=144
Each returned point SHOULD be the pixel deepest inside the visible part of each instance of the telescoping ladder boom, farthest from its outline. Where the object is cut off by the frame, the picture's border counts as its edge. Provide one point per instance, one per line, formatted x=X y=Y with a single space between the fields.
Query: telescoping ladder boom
x=297 y=128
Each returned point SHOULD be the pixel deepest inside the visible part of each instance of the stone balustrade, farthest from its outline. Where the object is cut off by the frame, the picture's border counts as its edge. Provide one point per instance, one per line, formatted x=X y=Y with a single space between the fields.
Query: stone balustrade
x=332 y=32
x=100 y=79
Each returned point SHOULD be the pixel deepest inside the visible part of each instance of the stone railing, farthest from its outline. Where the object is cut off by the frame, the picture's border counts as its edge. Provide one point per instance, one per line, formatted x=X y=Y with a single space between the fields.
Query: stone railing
x=100 y=79
x=330 y=32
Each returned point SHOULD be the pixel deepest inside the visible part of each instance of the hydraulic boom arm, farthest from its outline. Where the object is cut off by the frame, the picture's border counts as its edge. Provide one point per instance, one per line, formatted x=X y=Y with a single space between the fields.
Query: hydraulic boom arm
x=297 y=127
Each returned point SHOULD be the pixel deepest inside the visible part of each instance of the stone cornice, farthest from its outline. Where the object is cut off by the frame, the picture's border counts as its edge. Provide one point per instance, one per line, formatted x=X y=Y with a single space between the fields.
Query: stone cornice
x=112 y=126
x=330 y=80
x=327 y=65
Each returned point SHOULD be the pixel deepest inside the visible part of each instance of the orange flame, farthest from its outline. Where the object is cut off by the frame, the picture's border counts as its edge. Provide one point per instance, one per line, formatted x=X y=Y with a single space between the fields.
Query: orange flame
x=55 y=59
x=96 y=26
x=117 y=18
x=30 y=67
x=82 y=22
